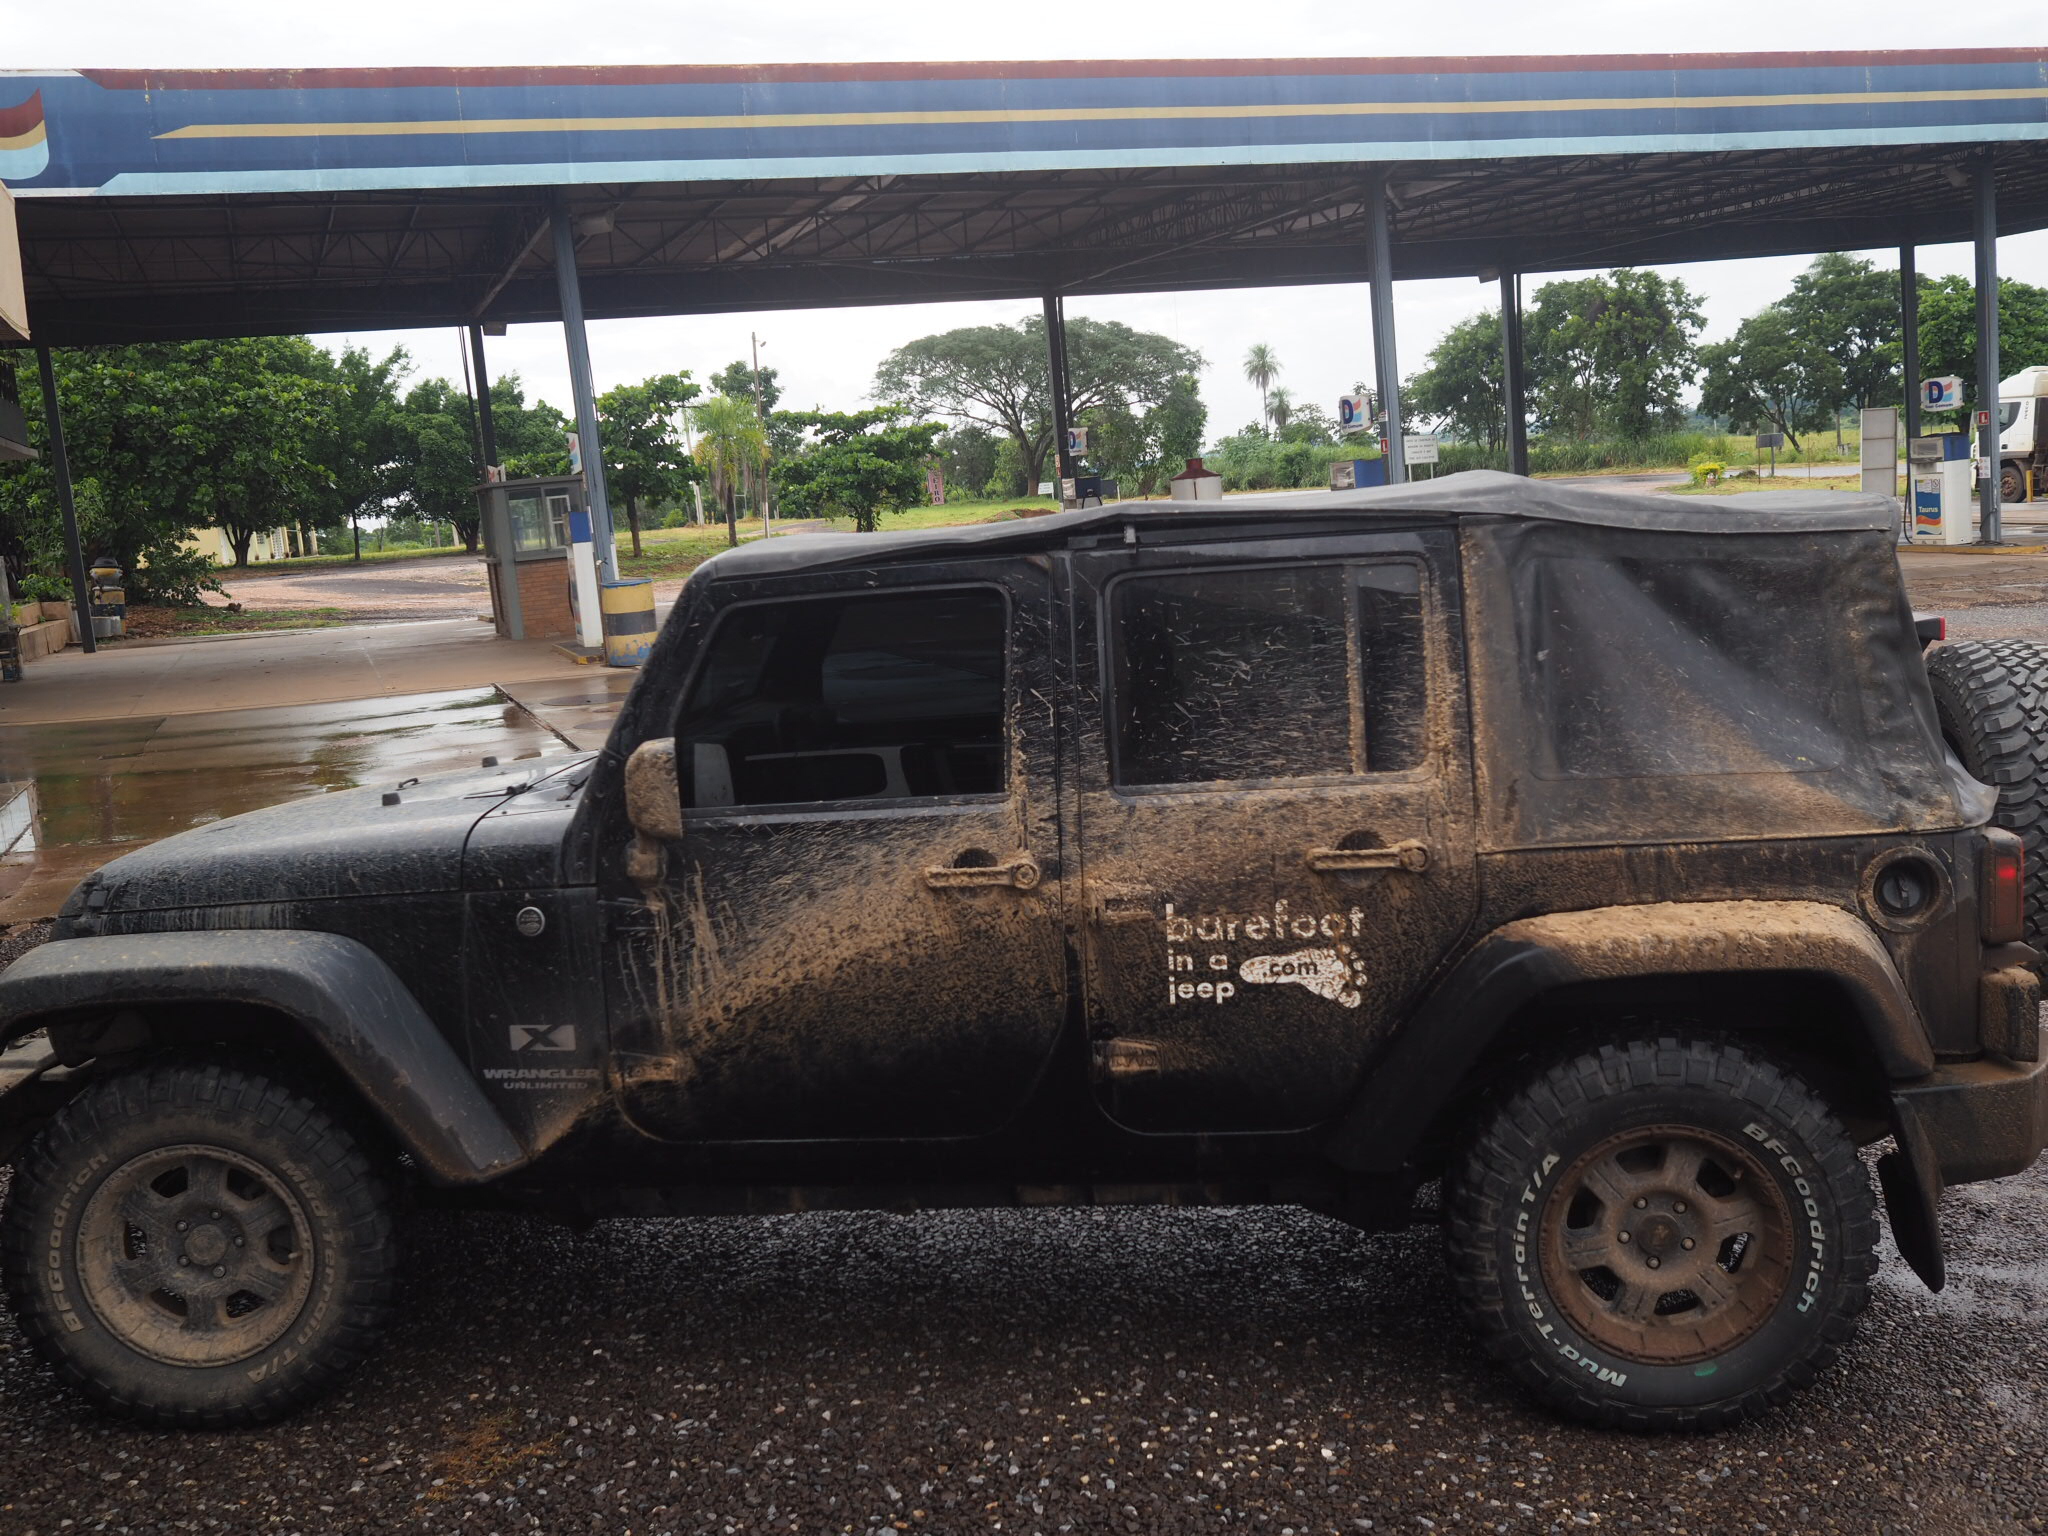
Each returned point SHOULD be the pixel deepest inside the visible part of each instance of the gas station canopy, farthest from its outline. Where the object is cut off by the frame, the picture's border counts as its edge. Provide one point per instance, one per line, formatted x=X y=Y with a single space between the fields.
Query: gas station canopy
x=218 y=203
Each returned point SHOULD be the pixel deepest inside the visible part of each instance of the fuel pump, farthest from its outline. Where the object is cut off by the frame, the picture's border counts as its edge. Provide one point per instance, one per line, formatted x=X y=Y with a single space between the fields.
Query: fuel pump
x=1939 y=470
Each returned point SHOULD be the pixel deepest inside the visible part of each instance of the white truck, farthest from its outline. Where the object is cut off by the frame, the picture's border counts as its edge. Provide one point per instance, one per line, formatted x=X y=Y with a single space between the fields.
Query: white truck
x=2023 y=436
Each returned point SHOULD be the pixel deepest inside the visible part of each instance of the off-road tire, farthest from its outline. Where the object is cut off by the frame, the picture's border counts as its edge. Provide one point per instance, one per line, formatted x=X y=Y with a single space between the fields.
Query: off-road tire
x=266 y=1136
x=1992 y=700
x=1511 y=1178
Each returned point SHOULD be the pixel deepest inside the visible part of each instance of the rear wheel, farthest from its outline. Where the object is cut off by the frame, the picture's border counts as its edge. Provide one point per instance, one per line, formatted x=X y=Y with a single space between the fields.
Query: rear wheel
x=1665 y=1234
x=2012 y=483
x=1992 y=701
x=198 y=1246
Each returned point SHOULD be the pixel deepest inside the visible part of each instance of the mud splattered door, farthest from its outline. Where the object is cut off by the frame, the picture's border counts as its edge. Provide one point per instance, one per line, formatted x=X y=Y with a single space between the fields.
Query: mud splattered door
x=862 y=936
x=1274 y=817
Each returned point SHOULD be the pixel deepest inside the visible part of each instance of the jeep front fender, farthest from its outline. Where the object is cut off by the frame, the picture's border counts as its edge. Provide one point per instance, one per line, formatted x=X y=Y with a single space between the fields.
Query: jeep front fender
x=344 y=998
x=1465 y=1012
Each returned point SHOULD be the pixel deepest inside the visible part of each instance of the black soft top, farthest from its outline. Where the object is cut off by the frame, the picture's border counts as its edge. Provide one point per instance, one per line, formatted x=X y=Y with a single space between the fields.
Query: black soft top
x=1474 y=494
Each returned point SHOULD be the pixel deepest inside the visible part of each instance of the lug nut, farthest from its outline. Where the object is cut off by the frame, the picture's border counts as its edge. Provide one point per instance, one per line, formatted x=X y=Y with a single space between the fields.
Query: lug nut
x=240 y=1244
x=1642 y=1204
x=1652 y=1263
x=215 y=1215
x=1678 y=1206
x=220 y=1269
x=183 y=1260
x=1686 y=1244
x=1624 y=1237
x=184 y=1226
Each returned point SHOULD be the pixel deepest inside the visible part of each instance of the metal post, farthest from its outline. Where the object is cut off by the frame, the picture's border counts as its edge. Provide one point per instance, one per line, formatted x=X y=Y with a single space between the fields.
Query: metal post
x=1909 y=335
x=60 y=465
x=1385 y=365
x=1511 y=375
x=580 y=385
x=1056 y=374
x=761 y=416
x=485 y=426
x=1988 y=530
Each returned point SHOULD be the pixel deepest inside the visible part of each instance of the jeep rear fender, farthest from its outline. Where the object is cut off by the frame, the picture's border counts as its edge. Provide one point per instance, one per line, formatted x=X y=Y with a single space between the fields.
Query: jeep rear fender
x=344 y=1000
x=1466 y=1012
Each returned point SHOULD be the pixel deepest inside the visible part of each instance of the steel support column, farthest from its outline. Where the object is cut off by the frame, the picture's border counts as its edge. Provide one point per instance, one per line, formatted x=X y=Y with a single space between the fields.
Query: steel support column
x=1909 y=334
x=1385 y=364
x=1988 y=529
x=1513 y=390
x=486 y=429
x=579 y=383
x=60 y=468
x=1056 y=374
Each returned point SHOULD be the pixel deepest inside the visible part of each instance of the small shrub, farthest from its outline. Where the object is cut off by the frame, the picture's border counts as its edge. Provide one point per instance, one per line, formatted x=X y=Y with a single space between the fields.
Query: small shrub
x=173 y=577
x=1706 y=471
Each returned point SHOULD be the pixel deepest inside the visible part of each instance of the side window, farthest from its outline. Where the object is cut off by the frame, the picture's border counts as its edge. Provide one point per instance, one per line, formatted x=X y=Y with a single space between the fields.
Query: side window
x=865 y=698
x=1272 y=673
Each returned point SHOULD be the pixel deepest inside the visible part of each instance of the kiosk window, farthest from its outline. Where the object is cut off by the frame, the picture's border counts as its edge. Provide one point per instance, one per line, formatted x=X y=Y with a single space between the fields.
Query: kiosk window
x=865 y=698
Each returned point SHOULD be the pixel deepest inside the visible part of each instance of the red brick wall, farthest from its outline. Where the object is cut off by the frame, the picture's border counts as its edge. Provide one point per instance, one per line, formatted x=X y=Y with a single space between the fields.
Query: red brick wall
x=544 y=599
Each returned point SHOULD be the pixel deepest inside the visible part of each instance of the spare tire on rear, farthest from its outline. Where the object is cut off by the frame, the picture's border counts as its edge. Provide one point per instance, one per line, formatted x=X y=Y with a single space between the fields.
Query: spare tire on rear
x=1992 y=698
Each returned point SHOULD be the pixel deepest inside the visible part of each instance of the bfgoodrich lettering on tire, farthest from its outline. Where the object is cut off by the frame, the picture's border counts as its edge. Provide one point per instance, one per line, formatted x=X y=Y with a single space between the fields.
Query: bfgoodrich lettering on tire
x=1662 y=1234
x=198 y=1246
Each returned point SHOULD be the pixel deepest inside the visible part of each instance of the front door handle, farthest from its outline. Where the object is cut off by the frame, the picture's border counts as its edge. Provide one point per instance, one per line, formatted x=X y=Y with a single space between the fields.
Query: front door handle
x=1019 y=874
x=1411 y=856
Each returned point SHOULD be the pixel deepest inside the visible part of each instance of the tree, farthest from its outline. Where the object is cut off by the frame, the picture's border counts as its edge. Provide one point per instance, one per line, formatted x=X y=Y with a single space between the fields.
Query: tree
x=643 y=452
x=1766 y=375
x=1461 y=389
x=435 y=477
x=732 y=446
x=1309 y=424
x=1177 y=422
x=968 y=452
x=1612 y=354
x=164 y=437
x=1948 y=329
x=1261 y=368
x=858 y=465
x=532 y=439
x=1848 y=310
x=1279 y=410
x=264 y=405
x=996 y=375
x=360 y=440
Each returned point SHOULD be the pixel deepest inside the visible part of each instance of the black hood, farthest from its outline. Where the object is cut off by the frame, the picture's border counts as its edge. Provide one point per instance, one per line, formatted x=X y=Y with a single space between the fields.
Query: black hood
x=349 y=843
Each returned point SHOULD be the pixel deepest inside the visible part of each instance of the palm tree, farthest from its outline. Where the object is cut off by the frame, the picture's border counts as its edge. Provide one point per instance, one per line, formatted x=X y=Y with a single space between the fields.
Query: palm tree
x=1279 y=410
x=731 y=444
x=1262 y=367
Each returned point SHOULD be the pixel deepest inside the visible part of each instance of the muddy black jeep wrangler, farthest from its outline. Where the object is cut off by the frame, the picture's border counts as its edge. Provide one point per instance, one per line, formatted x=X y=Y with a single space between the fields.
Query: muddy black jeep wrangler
x=1587 y=872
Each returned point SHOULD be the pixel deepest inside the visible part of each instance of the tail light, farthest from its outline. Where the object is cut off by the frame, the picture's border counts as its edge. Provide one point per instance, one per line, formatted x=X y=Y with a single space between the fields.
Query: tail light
x=2002 y=887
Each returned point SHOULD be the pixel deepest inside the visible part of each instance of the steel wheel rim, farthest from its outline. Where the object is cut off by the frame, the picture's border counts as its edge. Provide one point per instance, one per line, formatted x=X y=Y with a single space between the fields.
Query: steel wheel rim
x=1667 y=1244
x=194 y=1255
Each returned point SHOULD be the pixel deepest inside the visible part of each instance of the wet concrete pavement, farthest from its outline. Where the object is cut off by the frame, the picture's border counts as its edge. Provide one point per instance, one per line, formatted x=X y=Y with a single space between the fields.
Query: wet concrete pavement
x=99 y=787
x=1122 y=1371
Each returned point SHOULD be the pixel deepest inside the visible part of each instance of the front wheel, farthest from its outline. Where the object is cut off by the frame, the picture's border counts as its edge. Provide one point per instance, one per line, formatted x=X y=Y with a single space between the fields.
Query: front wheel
x=1667 y=1234
x=2012 y=484
x=197 y=1246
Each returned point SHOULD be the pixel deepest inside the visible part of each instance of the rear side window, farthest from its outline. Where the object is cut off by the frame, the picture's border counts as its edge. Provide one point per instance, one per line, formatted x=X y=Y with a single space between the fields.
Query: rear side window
x=1272 y=673
x=883 y=697
x=1645 y=669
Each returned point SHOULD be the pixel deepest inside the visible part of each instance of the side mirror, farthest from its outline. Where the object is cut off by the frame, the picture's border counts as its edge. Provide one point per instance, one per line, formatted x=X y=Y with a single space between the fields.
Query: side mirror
x=654 y=796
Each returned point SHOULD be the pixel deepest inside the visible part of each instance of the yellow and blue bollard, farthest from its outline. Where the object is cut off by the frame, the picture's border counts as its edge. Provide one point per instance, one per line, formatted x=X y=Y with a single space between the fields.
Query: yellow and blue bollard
x=628 y=608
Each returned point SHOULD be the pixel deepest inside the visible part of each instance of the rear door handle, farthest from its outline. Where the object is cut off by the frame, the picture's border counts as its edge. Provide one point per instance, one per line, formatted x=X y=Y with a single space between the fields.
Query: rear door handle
x=1019 y=874
x=1411 y=856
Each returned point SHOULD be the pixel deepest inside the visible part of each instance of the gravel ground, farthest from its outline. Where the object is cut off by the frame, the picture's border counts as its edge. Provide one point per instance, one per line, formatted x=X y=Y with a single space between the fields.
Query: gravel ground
x=1052 y=1371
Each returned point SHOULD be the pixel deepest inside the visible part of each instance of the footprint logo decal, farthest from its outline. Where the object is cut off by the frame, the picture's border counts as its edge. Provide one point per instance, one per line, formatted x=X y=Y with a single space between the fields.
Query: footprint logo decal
x=1329 y=973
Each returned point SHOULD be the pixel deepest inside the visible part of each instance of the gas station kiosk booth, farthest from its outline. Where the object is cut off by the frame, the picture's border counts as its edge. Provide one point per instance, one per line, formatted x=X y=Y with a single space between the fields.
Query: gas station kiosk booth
x=526 y=537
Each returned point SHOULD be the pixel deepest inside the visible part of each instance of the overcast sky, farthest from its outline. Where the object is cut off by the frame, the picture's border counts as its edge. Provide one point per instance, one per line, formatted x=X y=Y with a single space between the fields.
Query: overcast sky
x=828 y=357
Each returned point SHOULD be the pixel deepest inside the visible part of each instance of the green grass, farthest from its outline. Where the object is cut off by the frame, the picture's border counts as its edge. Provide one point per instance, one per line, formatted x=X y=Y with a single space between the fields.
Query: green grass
x=151 y=622
x=1766 y=483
